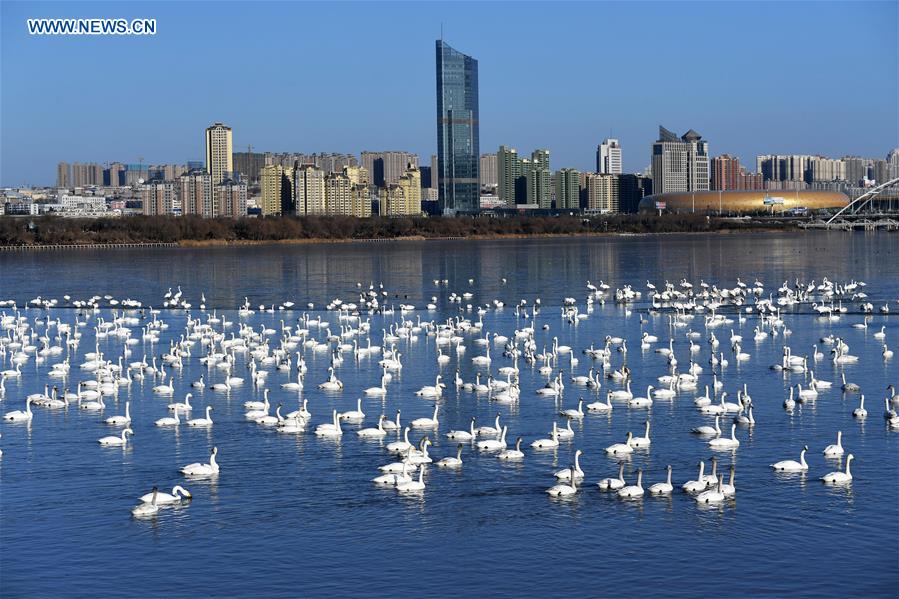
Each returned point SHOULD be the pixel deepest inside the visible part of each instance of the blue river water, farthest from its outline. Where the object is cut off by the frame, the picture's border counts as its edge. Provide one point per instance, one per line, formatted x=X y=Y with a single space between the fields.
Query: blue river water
x=297 y=515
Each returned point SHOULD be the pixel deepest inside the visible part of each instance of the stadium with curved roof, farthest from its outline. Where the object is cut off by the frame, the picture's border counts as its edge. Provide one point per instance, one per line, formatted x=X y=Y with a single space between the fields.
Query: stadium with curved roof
x=744 y=201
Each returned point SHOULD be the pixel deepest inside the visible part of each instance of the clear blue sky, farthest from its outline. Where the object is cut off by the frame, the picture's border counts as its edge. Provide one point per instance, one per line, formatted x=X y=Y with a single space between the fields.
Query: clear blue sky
x=760 y=77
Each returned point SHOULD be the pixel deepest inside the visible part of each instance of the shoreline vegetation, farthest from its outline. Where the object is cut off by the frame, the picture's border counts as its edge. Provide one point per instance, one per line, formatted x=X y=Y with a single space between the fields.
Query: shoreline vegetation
x=190 y=231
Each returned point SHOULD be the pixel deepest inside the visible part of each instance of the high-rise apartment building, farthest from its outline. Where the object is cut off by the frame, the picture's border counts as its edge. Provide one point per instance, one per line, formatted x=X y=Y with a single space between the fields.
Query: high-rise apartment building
x=488 y=171
x=775 y=167
x=855 y=168
x=568 y=189
x=86 y=174
x=386 y=168
x=196 y=193
x=164 y=172
x=825 y=169
x=680 y=164
x=248 y=164
x=358 y=175
x=539 y=179
x=231 y=198
x=458 y=141
x=404 y=198
x=602 y=192
x=508 y=169
x=63 y=175
x=114 y=176
x=725 y=172
x=893 y=162
x=608 y=157
x=274 y=182
x=160 y=197
x=309 y=190
x=219 y=153
x=882 y=171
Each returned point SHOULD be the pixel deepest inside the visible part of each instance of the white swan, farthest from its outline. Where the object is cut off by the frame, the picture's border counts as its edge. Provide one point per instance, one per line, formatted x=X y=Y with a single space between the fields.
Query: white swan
x=427 y=422
x=198 y=469
x=460 y=435
x=169 y=420
x=725 y=442
x=564 y=489
x=147 y=509
x=643 y=441
x=330 y=429
x=715 y=495
x=664 y=488
x=550 y=443
x=451 y=462
x=120 y=420
x=494 y=444
x=116 y=440
x=565 y=473
x=700 y=484
x=633 y=491
x=400 y=446
x=207 y=421
x=792 y=465
x=708 y=430
x=576 y=414
x=373 y=433
x=613 y=484
x=621 y=448
x=835 y=450
x=431 y=391
x=512 y=454
x=183 y=406
x=178 y=494
x=840 y=477
x=598 y=406
x=356 y=415
x=860 y=411
x=413 y=486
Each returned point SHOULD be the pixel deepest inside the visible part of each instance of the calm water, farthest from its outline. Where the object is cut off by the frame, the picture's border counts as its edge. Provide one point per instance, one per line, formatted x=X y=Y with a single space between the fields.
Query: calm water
x=296 y=515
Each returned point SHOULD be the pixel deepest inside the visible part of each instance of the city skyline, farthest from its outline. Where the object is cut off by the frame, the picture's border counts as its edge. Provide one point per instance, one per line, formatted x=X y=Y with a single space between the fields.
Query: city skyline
x=734 y=108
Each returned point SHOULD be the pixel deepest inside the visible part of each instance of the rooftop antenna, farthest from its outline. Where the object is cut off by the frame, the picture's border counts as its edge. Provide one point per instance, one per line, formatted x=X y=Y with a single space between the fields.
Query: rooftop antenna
x=441 y=31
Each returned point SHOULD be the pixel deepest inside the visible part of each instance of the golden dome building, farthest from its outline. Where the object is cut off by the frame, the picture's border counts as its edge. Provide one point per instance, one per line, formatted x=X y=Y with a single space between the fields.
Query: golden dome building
x=743 y=202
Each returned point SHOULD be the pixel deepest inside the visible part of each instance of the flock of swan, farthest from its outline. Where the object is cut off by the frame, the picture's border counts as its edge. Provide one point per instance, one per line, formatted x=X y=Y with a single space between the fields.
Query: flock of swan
x=44 y=341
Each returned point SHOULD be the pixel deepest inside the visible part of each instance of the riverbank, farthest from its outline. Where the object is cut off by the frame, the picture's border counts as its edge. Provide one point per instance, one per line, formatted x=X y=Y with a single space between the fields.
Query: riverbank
x=192 y=231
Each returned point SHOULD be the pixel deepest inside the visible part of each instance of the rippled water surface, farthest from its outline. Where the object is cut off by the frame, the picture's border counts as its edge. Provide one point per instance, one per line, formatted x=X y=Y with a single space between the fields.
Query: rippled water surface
x=296 y=515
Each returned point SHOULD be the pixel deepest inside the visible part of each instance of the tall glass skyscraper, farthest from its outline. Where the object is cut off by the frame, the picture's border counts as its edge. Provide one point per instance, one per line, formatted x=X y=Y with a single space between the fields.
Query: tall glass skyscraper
x=458 y=152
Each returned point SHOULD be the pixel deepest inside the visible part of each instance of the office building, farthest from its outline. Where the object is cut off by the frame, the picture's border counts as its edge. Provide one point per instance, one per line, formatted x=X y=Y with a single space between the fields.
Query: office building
x=567 y=189
x=219 y=153
x=196 y=193
x=63 y=175
x=632 y=189
x=275 y=187
x=160 y=197
x=248 y=164
x=231 y=198
x=680 y=164
x=309 y=190
x=487 y=172
x=458 y=142
x=608 y=157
